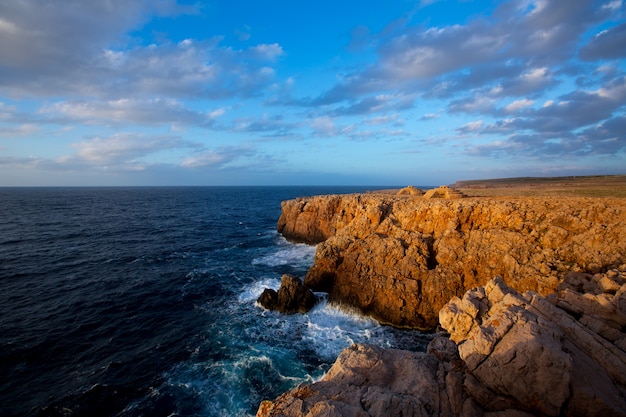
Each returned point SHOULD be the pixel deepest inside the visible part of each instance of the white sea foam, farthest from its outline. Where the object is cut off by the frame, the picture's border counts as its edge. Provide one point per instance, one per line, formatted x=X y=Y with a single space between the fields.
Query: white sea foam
x=329 y=329
x=251 y=293
x=286 y=253
x=229 y=386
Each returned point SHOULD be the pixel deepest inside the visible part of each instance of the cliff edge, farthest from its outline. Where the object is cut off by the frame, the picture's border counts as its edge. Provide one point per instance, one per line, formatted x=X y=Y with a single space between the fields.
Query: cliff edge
x=401 y=258
x=508 y=355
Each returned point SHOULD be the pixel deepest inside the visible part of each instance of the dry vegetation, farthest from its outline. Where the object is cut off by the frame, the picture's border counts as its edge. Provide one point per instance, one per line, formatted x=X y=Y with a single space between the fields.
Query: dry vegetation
x=590 y=186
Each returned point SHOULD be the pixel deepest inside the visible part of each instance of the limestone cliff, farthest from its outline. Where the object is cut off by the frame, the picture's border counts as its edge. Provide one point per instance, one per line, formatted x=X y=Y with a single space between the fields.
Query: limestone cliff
x=400 y=258
x=518 y=355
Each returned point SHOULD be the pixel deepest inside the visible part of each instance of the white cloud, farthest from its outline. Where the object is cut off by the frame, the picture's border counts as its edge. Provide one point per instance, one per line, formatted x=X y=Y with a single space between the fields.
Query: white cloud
x=437 y=51
x=520 y=46
x=18 y=131
x=474 y=104
x=62 y=49
x=431 y=116
x=323 y=126
x=7 y=27
x=124 y=148
x=614 y=5
x=268 y=52
x=217 y=158
x=217 y=113
x=518 y=105
x=128 y=111
x=471 y=126
x=383 y=120
x=535 y=75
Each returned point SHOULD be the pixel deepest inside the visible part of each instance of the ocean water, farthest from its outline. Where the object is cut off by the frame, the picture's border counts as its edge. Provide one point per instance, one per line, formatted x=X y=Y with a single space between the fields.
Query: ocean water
x=142 y=302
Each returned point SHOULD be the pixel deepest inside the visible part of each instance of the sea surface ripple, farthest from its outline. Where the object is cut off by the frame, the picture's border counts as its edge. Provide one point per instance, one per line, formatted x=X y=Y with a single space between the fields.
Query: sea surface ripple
x=141 y=302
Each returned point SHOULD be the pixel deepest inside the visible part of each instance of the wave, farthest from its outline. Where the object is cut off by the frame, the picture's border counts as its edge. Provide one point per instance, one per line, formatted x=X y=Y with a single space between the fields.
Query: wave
x=286 y=253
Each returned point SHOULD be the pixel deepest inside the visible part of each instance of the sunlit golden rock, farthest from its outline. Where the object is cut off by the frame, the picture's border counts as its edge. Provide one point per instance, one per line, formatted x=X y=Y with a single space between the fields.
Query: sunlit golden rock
x=401 y=259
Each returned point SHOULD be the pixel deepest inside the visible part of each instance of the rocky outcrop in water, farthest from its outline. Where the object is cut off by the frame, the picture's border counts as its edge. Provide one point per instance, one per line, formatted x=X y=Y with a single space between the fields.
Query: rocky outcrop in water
x=400 y=258
x=517 y=355
x=291 y=297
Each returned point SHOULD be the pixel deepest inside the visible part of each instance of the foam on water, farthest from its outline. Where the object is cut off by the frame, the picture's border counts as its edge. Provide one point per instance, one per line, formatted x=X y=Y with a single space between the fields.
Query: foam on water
x=299 y=254
x=330 y=329
x=252 y=292
x=155 y=312
x=258 y=354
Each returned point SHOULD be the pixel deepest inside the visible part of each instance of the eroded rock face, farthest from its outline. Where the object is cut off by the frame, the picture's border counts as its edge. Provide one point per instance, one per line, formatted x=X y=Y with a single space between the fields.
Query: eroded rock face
x=369 y=381
x=401 y=258
x=291 y=297
x=537 y=356
x=518 y=355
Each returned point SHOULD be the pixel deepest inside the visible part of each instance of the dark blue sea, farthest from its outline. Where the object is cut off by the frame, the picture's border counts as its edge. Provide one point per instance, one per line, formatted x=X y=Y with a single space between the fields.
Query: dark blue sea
x=142 y=302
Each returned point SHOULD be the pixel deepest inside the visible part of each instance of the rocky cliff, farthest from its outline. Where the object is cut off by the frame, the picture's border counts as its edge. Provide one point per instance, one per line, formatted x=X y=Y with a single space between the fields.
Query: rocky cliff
x=400 y=258
x=517 y=355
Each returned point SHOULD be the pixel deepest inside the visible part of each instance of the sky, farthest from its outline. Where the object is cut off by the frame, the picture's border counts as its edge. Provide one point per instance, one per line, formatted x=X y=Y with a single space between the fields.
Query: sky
x=232 y=92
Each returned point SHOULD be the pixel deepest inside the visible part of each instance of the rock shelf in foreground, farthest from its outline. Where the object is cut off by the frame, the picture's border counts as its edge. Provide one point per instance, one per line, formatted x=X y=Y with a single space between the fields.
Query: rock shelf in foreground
x=400 y=258
x=508 y=355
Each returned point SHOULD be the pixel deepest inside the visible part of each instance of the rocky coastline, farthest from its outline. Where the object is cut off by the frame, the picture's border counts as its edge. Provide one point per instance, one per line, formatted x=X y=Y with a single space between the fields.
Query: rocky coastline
x=530 y=291
x=400 y=258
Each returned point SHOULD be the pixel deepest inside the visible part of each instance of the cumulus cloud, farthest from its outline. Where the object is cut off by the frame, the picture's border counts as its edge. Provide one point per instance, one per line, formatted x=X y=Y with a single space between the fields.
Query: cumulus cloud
x=477 y=104
x=471 y=127
x=511 y=53
x=67 y=48
x=124 y=148
x=535 y=78
x=49 y=40
x=518 y=105
x=128 y=111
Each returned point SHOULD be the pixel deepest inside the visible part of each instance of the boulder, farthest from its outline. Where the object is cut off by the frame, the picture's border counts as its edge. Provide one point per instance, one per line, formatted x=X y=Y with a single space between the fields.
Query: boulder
x=292 y=296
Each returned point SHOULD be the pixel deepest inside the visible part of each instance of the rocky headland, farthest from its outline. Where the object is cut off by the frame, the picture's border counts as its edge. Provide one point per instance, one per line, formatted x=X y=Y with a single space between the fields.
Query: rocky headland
x=507 y=355
x=400 y=258
x=530 y=291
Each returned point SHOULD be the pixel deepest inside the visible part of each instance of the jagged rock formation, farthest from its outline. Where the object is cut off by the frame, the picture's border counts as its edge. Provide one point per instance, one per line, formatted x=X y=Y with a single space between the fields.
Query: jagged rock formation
x=444 y=192
x=401 y=259
x=532 y=355
x=292 y=296
x=518 y=355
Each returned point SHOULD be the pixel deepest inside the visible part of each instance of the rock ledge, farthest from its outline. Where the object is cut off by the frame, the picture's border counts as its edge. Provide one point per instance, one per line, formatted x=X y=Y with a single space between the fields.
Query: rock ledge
x=508 y=354
x=400 y=258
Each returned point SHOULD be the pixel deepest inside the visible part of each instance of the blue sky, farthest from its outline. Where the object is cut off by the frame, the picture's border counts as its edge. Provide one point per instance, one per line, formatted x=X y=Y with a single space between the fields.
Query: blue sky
x=231 y=92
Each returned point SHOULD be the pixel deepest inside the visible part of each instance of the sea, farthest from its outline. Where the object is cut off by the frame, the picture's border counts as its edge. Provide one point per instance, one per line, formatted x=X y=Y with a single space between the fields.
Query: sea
x=133 y=301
